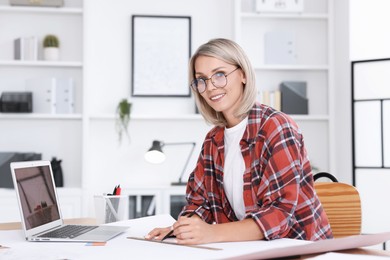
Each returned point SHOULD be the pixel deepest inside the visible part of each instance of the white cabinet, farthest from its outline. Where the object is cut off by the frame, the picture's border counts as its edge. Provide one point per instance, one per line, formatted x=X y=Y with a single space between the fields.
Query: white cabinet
x=310 y=33
x=70 y=201
x=58 y=135
x=155 y=200
x=9 y=206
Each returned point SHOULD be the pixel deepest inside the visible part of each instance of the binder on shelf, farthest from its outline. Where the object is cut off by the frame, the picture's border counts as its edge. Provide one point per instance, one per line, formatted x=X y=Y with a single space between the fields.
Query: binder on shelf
x=294 y=100
x=279 y=47
x=52 y=95
x=64 y=96
x=26 y=48
x=19 y=49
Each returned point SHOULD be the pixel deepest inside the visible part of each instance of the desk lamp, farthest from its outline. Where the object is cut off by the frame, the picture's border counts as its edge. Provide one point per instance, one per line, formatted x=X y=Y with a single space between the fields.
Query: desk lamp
x=156 y=155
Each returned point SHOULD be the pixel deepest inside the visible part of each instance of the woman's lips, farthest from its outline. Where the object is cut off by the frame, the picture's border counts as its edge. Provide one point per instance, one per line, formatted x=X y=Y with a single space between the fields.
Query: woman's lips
x=217 y=97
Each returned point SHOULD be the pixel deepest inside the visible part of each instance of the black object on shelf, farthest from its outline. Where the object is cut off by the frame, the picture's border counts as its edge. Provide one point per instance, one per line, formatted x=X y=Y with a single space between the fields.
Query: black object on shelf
x=57 y=172
x=294 y=99
x=16 y=102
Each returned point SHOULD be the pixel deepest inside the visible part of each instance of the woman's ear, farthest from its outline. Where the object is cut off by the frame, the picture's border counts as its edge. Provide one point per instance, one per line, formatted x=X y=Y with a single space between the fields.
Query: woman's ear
x=243 y=78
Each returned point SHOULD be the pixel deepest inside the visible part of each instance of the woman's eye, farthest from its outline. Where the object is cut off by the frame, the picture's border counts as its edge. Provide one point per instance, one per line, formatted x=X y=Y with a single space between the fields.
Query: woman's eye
x=220 y=74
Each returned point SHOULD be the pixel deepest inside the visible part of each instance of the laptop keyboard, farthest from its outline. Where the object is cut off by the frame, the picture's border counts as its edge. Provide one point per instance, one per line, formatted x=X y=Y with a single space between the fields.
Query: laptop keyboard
x=68 y=231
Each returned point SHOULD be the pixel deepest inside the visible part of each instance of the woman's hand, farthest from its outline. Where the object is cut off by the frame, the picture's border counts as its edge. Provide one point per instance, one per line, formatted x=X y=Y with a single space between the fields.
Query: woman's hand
x=158 y=233
x=193 y=230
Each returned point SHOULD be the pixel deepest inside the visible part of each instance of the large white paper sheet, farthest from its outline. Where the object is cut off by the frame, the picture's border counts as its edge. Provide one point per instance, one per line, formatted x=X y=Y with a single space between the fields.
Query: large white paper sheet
x=320 y=246
x=335 y=256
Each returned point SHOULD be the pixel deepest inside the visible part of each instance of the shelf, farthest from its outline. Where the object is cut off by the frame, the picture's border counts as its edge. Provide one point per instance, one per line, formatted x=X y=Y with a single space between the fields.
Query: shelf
x=310 y=117
x=42 y=63
x=313 y=16
x=197 y=117
x=36 y=9
x=149 y=117
x=33 y=116
x=292 y=67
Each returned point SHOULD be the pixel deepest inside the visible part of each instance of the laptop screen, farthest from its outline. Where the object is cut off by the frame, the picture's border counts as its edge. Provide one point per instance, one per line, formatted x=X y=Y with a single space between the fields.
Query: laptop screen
x=37 y=195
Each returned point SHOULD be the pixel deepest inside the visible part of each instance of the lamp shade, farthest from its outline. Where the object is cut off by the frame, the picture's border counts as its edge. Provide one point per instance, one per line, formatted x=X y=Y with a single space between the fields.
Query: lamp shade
x=155 y=154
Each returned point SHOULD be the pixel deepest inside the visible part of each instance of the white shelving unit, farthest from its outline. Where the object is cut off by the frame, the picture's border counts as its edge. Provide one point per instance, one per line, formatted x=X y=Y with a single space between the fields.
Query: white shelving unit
x=52 y=135
x=313 y=65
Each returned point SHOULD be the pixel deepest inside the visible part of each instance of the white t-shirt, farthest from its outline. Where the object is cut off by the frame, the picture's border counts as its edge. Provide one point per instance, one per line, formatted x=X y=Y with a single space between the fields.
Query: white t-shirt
x=234 y=168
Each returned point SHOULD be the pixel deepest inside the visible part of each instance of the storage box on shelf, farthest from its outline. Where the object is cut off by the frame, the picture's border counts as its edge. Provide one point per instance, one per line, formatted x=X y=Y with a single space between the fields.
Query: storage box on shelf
x=303 y=52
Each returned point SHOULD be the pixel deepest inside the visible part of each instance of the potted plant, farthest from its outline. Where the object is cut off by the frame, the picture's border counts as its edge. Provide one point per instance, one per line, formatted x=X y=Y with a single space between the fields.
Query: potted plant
x=51 y=46
x=123 y=111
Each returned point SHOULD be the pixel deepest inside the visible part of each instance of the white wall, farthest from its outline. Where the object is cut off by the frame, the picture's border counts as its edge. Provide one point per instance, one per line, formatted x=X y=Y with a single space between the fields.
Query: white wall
x=369 y=35
x=342 y=98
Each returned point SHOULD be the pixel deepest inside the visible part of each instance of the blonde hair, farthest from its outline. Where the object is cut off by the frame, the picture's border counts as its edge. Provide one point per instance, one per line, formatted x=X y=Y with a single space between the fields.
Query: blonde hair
x=229 y=52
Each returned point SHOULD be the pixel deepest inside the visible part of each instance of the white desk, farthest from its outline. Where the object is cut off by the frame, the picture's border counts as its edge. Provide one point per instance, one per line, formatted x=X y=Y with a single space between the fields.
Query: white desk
x=123 y=248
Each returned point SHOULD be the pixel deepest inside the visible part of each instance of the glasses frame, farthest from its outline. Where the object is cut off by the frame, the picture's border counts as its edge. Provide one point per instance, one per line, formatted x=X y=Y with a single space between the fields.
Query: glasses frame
x=195 y=87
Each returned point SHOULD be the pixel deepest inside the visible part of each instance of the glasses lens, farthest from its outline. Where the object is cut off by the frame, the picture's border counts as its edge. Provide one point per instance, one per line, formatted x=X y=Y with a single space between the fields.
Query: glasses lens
x=219 y=80
x=199 y=85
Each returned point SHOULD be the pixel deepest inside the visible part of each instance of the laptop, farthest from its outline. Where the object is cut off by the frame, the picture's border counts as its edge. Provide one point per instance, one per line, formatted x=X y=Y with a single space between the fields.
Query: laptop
x=40 y=210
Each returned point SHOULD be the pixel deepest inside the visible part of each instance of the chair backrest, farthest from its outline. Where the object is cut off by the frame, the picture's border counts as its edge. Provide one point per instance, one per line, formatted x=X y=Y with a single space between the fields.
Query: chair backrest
x=342 y=205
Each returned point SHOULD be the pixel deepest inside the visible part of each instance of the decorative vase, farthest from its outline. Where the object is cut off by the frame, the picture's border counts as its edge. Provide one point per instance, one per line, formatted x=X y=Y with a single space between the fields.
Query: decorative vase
x=51 y=53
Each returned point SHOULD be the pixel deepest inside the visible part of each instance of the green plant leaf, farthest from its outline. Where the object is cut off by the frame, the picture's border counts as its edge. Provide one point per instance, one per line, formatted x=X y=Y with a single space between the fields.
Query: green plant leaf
x=123 y=111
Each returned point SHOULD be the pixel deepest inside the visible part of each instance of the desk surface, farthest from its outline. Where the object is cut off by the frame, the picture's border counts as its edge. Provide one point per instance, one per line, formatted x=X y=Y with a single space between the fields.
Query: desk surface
x=121 y=247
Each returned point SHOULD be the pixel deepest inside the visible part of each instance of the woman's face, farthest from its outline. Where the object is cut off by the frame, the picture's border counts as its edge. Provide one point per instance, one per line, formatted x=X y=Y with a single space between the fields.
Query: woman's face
x=225 y=99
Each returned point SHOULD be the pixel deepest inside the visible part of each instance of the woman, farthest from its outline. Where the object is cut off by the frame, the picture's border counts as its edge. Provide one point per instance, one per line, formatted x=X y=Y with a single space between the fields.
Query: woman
x=253 y=179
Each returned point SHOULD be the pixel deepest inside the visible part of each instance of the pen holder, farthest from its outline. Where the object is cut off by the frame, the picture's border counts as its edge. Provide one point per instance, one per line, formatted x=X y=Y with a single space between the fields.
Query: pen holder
x=110 y=208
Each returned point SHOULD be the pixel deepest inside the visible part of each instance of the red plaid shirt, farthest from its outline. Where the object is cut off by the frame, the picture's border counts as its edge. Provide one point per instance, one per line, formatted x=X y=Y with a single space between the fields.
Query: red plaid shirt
x=278 y=183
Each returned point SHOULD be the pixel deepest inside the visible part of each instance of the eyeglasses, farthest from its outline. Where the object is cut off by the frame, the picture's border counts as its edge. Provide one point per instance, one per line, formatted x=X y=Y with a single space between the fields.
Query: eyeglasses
x=219 y=80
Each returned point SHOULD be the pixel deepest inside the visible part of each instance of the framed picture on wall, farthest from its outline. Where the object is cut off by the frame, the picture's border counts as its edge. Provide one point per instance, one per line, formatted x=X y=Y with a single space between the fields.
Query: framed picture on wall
x=161 y=48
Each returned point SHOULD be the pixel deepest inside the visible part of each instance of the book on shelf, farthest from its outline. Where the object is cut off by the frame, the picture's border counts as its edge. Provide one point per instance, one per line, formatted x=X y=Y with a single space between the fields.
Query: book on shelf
x=52 y=95
x=26 y=48
x=271 y=98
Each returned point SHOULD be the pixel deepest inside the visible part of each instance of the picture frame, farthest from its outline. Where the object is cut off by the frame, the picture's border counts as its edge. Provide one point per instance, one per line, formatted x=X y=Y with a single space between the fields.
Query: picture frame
x=161 y=48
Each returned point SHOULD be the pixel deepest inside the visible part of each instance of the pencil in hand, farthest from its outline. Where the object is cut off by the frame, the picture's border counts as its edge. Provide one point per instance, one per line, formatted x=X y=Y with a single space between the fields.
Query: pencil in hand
x=169 y=235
